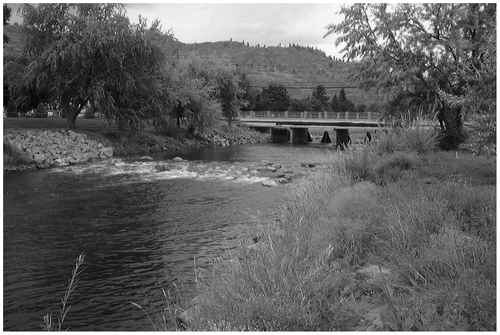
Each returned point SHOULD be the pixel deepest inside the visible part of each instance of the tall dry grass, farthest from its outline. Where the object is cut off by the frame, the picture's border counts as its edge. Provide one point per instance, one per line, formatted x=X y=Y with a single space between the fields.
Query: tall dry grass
x=366 y=207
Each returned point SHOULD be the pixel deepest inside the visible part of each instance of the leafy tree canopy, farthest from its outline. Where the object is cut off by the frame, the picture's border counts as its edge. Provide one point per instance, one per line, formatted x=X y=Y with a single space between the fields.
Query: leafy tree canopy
x=7 y=14
x=208 y=87
x=275 y=98
x=96 y=56
x=433 y=58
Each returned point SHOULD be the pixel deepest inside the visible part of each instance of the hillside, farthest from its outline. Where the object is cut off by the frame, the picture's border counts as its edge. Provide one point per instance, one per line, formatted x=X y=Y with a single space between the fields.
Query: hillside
x=289 y=66
x=15 y=45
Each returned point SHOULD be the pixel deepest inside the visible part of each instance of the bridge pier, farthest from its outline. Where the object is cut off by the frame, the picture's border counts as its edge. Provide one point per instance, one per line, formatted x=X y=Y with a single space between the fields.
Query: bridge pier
x=300 y=135
x=342 y=137
x=280 y=135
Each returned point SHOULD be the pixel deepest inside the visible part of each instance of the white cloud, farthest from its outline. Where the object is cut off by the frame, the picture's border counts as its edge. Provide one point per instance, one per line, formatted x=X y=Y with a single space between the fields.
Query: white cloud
x=256 y=23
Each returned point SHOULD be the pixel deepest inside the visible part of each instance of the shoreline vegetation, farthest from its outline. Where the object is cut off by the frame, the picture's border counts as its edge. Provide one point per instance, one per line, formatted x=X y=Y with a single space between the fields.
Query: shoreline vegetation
x=391 y=236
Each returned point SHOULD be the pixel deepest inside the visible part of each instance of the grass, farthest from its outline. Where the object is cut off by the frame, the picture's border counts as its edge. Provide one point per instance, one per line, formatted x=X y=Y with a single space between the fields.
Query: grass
x=387 y=205
x=63 y=310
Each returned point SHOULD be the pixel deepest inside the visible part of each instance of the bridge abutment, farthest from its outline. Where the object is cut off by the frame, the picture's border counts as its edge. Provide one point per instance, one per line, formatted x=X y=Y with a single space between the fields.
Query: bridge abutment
x=342 y=140
x=280 y=135
x=299 y=135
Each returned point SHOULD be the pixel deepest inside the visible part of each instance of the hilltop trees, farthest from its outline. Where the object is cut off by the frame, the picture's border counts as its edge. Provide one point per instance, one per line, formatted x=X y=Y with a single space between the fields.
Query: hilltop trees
x=95 y=56
x=439 y=59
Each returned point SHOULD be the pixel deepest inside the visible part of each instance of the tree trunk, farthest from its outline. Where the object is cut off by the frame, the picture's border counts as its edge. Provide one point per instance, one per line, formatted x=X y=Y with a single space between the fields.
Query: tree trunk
x=70 y=120
x=71 y=114
x=452 y=132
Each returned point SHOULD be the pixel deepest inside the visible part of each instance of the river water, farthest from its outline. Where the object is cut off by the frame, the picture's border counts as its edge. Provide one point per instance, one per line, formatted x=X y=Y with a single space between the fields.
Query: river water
x=143 y=225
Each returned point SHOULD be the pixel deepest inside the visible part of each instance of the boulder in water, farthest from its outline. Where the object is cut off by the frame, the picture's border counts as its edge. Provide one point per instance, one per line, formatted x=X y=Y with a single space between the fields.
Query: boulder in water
x=177 y=159
x=269 y=183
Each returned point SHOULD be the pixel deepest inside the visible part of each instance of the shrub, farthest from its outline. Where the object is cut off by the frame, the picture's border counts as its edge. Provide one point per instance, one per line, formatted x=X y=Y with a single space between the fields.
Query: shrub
x=13 y=156
x=420 y=140
x=355 y=163
x=388 y=168
x=388 y=142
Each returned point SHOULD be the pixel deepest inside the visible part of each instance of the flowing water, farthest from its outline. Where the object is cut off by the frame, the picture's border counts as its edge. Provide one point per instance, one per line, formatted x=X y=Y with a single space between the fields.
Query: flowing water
x=142 y=224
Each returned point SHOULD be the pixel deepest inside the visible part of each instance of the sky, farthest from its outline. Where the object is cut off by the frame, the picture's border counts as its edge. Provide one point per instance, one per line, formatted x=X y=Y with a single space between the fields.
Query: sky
x=256 y=23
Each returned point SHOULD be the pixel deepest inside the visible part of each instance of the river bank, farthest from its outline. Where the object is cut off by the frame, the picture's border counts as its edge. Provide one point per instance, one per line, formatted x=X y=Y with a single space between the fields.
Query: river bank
x=28 y=145
x=384 y=238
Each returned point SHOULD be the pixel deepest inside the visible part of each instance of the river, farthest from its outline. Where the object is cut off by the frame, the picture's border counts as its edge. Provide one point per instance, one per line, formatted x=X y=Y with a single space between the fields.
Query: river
x=142 y=224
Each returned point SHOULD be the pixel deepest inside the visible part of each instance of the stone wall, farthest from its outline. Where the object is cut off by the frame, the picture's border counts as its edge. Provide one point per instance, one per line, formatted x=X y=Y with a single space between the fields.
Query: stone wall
x=56 y=147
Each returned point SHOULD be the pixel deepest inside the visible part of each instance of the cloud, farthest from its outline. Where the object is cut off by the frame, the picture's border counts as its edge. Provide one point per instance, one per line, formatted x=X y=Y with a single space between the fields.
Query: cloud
x=256 y=23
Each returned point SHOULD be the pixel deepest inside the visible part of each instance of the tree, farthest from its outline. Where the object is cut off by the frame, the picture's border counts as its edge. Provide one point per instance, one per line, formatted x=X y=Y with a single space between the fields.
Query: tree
x=20 y=96
x=96 y=56
x=7 y=13
x=423 y=56
x=209 y=87
x=300 y=105
x=334 y=104
x=344 y=104
x=319 y=93
x=249 y=93
x=275 y=98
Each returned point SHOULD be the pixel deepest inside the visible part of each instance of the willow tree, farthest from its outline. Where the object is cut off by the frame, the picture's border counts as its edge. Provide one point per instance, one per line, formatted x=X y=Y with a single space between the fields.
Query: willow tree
x=91 y=53
x=428 y=57
x=208 y=89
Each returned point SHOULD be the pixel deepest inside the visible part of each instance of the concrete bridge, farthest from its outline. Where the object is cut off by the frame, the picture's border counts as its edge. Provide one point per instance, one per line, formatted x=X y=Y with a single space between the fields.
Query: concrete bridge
x=294 y=126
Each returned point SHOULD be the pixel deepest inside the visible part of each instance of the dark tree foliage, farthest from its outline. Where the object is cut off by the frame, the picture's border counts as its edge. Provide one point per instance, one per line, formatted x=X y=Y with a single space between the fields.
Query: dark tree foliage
x=437 y=59
x=96 y=56
x=7 y=14
x=334 y=104
x=21 y=96
x=345 y=105
x=275 y=98
x=321 y=97
x=249 y=95
x=299 y=105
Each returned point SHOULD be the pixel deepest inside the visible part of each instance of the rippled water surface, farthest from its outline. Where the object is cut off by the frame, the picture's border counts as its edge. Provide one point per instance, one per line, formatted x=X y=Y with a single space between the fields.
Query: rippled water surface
x=142 y=224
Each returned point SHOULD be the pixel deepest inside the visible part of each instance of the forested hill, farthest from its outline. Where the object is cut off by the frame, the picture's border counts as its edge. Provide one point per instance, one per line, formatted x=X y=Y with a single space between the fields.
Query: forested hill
x=290 y=66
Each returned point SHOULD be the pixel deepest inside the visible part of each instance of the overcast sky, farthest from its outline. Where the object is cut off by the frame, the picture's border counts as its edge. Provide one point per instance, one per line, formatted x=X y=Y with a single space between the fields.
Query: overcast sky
x=256 y=23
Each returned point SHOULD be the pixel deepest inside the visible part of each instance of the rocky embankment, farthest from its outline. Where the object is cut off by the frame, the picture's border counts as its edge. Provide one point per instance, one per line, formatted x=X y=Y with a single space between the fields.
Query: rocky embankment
x=46 y=148
x=59 y=147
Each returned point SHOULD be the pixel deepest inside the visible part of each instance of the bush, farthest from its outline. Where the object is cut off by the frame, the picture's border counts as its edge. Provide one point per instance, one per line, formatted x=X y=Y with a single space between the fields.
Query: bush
x=388 y=168
x=355 y=163
x=13 y=156
x=388 y=142
x=420 y=140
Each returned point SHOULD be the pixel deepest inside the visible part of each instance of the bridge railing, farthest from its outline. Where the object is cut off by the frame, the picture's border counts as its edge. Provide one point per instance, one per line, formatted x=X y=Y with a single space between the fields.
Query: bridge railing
x=308 y=115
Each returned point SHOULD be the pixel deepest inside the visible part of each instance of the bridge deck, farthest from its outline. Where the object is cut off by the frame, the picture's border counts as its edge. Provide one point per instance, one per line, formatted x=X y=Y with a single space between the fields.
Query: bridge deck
x=265 y=122
x=311 y=119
